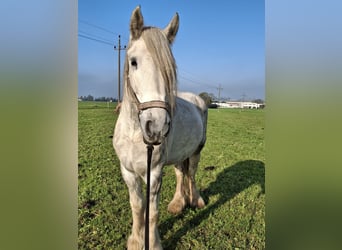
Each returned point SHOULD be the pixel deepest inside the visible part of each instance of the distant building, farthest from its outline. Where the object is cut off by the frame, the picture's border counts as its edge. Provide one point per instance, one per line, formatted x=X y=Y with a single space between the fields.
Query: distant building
x=241 y=105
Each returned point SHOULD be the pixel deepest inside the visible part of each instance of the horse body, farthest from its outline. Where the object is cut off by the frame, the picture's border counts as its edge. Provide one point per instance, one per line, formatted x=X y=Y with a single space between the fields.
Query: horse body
x=152 y=112
x=187 y=133
x=188 y=128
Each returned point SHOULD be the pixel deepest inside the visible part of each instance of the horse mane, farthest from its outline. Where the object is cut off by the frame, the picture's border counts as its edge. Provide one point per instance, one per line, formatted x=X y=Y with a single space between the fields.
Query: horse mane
x=160 y=50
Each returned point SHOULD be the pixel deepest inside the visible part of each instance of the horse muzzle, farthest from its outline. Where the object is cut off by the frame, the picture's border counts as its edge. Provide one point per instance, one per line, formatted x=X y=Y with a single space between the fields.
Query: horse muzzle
x=155 y=125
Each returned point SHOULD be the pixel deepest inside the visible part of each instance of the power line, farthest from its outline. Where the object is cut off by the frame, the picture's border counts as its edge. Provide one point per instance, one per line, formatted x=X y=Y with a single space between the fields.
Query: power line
x=100 y=28
x=94 y=36
x=193 y=76
x=107 y=42
x=189 y=73
x=195 y=81
x=94 y=39
x=96 y=26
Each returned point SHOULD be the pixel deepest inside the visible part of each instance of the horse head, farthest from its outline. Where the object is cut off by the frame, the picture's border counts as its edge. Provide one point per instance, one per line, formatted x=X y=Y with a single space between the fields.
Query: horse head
x=150 y=74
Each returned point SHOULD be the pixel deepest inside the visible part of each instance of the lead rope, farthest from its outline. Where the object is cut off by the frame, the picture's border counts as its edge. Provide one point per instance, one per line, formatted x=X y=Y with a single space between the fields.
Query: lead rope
x=147 y=211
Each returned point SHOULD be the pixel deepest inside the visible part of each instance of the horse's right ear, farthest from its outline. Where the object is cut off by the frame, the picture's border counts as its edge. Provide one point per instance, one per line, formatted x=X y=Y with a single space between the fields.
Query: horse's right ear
x=137 y=23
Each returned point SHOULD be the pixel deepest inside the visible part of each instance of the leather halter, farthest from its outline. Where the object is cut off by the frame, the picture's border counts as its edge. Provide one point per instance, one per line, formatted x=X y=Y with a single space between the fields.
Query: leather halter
x=153 y=104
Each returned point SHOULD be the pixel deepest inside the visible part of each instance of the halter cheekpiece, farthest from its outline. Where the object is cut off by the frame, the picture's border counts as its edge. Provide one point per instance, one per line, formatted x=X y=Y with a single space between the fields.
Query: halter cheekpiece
x=150 y=104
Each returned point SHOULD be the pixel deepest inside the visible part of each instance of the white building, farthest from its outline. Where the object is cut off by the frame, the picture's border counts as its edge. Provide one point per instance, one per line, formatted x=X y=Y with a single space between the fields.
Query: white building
x=244 y=105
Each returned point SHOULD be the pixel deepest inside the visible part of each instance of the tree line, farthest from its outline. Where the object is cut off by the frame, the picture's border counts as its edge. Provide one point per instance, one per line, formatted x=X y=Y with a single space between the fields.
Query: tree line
x=208 y=98
x=98 y=99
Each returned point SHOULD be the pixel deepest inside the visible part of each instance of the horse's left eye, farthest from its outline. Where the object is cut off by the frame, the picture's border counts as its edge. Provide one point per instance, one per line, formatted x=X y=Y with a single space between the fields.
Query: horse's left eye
x=134 y=63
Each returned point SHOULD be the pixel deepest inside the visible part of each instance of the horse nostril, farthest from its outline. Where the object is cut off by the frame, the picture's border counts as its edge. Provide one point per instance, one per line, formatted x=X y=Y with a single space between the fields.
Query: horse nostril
x=148 y=128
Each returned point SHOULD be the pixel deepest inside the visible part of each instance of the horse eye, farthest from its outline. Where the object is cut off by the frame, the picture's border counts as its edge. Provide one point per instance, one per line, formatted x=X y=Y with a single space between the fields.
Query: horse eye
x=134 y=63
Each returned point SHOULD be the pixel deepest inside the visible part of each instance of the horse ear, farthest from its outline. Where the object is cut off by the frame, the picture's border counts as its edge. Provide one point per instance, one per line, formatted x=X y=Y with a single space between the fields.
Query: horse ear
x=172 y=28
x=137 y=23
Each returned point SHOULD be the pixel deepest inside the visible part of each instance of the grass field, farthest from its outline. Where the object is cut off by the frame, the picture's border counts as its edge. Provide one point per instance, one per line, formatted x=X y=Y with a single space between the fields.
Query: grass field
x=231 y=179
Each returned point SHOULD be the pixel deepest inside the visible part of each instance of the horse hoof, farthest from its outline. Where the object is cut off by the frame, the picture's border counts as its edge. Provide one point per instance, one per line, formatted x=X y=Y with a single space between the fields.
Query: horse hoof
x=199 y=203
x=176 y=206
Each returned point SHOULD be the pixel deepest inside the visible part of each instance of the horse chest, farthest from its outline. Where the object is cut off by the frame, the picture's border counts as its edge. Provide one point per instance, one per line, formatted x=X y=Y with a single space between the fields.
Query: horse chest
x=132 y=153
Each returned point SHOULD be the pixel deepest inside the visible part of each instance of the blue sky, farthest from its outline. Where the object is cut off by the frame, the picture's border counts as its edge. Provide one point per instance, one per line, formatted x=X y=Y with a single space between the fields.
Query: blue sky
x=219 y=43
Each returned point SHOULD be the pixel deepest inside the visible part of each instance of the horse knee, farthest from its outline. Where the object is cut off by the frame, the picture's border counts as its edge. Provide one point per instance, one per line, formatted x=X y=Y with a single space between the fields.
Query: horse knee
x=134 y=243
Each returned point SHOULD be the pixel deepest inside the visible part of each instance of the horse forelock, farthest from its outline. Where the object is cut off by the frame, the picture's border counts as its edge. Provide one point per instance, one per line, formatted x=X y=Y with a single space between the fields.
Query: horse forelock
x=160 y=51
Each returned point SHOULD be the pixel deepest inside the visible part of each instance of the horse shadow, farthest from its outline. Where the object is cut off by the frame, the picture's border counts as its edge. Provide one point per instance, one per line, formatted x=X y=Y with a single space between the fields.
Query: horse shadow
x=230 y=182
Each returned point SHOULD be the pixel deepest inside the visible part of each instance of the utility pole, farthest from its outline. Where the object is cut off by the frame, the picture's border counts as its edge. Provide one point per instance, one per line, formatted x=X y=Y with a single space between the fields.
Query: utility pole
x=119 y=72
x=243 y=97
x=219 y=92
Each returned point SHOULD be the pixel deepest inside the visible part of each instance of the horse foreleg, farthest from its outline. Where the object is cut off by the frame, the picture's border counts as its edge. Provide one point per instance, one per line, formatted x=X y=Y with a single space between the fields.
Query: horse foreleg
x=156 y=181
x=179 y=198
x=195 y=199
x=133 y=182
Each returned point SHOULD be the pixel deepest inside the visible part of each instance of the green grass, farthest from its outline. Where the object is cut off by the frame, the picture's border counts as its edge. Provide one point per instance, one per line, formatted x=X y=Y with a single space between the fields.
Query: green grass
x=231 y=178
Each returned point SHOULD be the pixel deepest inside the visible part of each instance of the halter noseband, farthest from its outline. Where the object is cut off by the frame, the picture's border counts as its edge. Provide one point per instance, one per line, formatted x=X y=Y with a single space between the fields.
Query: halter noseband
x=153 y=104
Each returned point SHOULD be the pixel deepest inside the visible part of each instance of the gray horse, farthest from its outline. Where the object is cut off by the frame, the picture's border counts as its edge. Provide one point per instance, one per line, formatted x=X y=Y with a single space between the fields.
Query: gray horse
x=153 y=112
